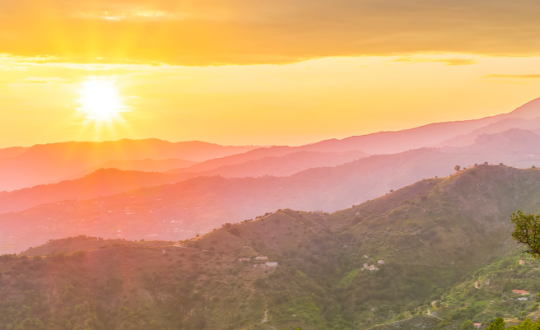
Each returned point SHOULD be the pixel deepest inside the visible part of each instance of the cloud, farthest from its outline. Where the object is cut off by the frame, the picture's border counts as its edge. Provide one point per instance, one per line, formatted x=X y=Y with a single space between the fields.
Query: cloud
x=209 y=32
x=447 y=61
x=519 y=76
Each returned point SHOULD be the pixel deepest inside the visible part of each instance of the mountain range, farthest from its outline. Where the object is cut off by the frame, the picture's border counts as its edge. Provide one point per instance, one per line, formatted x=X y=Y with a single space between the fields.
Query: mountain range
x=41 y=164
x=431 y=247
x=46 y=163
x=197 y=205
x=231 y=184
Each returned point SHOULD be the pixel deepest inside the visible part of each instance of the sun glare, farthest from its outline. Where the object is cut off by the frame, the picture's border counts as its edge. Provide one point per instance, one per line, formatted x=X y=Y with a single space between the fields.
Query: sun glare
x=100 y=100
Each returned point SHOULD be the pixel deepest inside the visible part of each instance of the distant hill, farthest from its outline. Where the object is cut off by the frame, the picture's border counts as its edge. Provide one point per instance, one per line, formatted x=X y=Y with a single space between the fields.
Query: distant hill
x=112 y=181
x=498 y=127
x=262 y=155
x=103 y=182
x=47 y=163
x=11 y=152
x=285 y=165
x=459 y=133
x=143 y=165
x=425 y=136
x=427 y=241
x=515 y=144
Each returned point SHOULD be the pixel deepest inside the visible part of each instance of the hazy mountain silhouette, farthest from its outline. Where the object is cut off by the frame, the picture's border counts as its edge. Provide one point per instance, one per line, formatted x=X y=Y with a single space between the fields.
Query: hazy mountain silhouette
x=459 y=133
x=200 y=204
x=51 y=162
x=500 y=126
x=523 y=144
x=425 y=136
x=257 y=154
x=11 y=152
x=113 y=181
x=144 y=165
x=282 y=166
x=103 y=182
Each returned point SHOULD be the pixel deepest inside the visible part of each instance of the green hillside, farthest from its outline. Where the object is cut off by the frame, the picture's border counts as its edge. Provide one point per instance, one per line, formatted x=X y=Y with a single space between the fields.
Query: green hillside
x=431 y=238
x=487 y=292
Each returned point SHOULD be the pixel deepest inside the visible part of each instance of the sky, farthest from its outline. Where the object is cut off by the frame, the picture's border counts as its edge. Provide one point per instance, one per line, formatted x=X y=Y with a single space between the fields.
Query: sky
x=258 y=72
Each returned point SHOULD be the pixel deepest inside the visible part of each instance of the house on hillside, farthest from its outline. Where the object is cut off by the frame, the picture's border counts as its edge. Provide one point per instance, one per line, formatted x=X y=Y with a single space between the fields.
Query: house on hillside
x=523 y=299
x=370 y=268
x=244 y=259
x=380 y=262
x=521 y=262
x=271 y=264
x=521 y=292
x=477 y=325
x=261 y=258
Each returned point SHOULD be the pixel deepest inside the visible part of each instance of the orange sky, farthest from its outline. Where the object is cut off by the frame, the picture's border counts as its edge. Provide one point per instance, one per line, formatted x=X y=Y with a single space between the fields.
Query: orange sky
x=258 y=72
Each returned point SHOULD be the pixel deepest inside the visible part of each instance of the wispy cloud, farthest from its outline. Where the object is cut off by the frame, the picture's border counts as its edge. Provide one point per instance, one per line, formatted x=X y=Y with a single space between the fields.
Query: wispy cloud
x=519 y=76
x=447 y=61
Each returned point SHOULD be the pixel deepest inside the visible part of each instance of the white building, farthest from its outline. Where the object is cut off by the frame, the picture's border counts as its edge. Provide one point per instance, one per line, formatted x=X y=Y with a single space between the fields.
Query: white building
x=370 y=268
x=271 y=263
x=380 y=262
x=261 y=258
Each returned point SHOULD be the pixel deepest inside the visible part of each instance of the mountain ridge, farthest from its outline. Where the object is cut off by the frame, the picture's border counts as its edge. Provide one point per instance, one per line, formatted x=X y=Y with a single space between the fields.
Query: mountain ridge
x=105 y=182
x=44 y=163
x=200 y=204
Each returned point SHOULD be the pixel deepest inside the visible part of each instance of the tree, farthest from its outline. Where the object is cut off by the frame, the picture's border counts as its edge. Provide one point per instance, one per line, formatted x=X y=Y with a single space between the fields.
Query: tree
x=497 y=325
x=527 y=231
x=467 y=325
x=526 y=325
x=457 y=168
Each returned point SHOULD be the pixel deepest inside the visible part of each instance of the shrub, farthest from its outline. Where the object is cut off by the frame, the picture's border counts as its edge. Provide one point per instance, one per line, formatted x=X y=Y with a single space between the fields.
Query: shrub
x=234 y=231
x=260 y=283
x=78 y=254
x=467 y=325
x=60 y=256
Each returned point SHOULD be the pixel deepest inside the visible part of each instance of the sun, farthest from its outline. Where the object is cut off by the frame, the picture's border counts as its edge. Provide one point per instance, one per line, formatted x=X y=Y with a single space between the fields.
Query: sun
x=100 y=100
